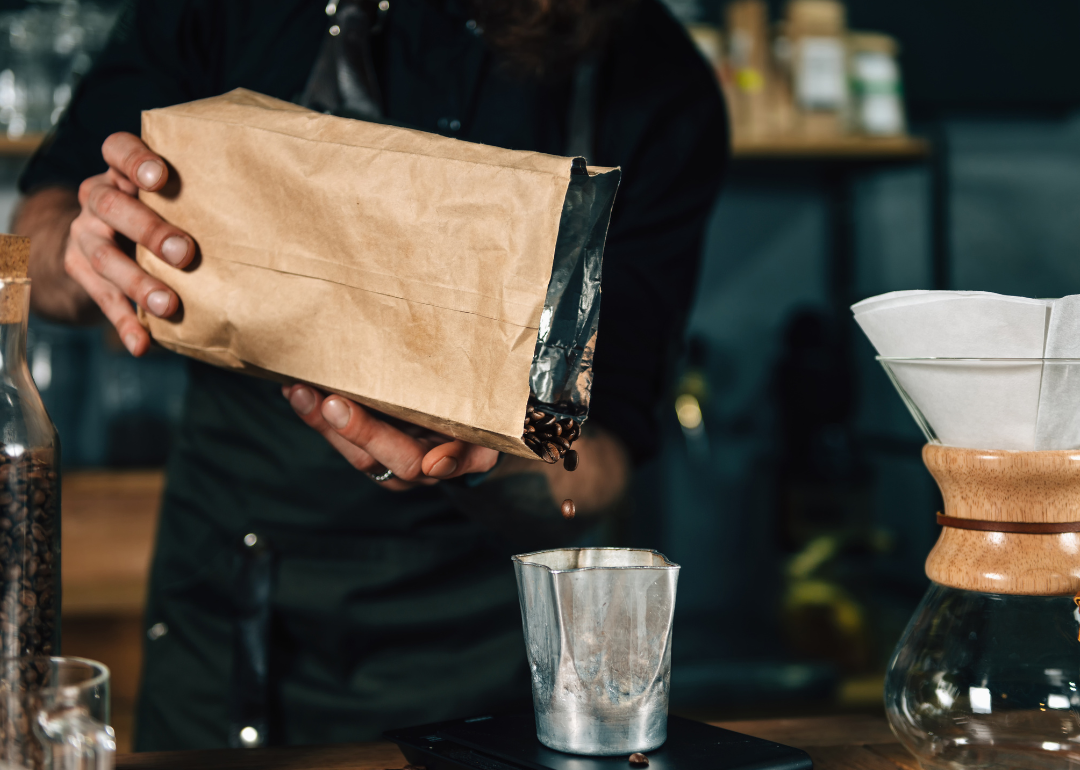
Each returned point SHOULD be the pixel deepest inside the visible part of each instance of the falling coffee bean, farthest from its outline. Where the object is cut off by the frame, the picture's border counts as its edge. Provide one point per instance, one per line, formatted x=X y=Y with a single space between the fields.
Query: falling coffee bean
x=639 y=759
x=569 y=460
x=568 y=509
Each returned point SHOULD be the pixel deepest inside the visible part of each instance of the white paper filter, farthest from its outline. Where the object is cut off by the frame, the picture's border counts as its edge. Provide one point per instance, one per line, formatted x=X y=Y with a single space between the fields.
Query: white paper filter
x=1019 y=405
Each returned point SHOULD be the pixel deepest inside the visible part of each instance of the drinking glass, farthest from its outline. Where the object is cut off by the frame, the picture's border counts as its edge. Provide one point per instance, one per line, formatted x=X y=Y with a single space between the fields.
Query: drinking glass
x=54 y=715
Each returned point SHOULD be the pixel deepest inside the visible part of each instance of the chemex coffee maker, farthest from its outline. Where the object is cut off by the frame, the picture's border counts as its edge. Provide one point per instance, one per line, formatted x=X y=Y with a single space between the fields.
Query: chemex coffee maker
x=986 y=674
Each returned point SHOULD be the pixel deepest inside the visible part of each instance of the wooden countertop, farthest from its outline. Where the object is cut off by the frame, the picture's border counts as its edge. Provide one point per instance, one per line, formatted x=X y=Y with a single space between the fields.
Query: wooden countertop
x=108 y=519
x=834 y=743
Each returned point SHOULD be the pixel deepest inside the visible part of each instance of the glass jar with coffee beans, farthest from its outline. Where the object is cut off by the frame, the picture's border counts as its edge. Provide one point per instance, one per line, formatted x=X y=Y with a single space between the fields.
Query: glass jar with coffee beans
x=29 y=490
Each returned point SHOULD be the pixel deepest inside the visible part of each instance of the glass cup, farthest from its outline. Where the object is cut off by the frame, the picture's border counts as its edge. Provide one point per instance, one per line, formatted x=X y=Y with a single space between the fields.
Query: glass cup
x=54 y=713
x=597 y=625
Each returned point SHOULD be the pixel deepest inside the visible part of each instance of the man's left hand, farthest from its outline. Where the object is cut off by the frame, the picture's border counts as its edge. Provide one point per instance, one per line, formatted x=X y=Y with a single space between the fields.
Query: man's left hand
x=374 y=446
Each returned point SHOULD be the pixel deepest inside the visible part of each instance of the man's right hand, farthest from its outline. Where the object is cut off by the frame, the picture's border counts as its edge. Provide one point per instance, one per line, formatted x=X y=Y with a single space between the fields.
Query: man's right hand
x=92 y=257
x=110 y=208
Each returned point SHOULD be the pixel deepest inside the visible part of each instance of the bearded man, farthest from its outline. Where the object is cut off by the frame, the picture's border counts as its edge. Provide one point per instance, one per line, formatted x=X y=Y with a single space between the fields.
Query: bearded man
x=320 y=574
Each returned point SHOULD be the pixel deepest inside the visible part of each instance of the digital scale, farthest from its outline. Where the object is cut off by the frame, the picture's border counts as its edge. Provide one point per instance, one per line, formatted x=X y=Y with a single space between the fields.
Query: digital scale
x=509 y=743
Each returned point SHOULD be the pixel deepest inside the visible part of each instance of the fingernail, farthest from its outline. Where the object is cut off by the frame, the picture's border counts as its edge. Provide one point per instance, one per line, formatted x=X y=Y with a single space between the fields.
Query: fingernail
x=131 y=341
x=158 y=302
x=174 y=249
x=302 y=400
x=336 y=412
x=443 y=468
x=149 y=173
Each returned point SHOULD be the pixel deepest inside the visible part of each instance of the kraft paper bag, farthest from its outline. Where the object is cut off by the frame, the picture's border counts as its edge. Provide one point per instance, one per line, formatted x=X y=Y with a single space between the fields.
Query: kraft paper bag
x=441 y=282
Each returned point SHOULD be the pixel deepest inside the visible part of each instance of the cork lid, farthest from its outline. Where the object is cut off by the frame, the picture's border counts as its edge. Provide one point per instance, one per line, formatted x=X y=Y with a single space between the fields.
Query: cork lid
x=14 y=256
x=14 y=259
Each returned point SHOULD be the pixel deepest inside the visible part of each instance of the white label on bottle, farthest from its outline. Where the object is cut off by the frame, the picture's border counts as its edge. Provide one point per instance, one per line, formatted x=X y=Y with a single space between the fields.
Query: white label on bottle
x=820 y=83
x=881 y=115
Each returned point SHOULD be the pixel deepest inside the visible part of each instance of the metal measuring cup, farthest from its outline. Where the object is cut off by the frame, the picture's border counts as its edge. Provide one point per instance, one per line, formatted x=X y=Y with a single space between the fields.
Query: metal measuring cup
x=597 y=627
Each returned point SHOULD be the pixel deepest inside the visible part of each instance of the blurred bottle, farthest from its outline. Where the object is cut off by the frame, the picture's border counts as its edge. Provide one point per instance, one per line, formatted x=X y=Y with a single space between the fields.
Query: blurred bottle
x=815 y=30
x=44 y=49
x=691 y=395
x=747 y=25
x=876 y=107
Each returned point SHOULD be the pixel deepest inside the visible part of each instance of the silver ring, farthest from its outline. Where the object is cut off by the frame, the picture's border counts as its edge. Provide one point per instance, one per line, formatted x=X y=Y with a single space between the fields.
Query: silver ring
x=384 y=476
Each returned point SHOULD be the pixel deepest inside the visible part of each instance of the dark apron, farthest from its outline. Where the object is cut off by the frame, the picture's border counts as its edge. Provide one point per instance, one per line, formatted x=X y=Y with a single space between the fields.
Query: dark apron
x=291 y=600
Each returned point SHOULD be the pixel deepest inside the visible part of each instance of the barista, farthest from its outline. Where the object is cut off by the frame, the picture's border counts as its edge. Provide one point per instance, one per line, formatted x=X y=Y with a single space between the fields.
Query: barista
x=294 y=599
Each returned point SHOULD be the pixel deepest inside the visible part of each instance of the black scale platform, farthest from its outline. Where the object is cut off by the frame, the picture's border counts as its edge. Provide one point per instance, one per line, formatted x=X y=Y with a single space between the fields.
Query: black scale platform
x=509 y=743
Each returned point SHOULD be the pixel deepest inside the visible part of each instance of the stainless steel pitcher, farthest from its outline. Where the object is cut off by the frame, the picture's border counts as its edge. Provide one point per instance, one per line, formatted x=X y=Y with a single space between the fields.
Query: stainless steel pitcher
x=598 y=634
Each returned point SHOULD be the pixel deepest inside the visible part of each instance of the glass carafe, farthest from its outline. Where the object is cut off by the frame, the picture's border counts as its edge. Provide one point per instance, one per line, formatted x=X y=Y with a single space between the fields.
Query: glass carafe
x=29 y=494
x=986 y=674
x=989 y=681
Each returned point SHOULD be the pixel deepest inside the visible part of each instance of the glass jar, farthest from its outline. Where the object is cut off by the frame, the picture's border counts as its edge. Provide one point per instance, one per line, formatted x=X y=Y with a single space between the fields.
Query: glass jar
x=29 y=494
x=989 y=681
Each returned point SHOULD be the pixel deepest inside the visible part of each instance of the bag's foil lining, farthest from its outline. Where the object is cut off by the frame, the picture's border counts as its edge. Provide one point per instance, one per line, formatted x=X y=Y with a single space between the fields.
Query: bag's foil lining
x=561 y=374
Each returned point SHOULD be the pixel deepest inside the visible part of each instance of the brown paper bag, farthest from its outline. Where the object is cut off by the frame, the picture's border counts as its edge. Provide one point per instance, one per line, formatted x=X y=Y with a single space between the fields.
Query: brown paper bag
x=402 y=269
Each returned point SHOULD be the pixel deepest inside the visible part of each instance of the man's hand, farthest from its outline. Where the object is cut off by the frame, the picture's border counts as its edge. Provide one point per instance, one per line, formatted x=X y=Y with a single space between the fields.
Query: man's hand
x=110 y=208
x=92 y=256
x=420 y=457
x=415 y=456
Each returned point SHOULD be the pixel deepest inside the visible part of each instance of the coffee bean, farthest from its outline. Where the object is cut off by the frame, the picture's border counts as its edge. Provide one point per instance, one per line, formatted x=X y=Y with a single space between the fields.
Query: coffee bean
x=551 y=436
x=569 y=510
x=28 y=553
x=638 y=758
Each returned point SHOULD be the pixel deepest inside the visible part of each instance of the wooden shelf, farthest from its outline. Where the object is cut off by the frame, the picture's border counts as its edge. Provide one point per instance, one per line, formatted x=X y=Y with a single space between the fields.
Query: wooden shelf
x=108 y=523
x=838 y=148
x=769 y=148
x=23 y=147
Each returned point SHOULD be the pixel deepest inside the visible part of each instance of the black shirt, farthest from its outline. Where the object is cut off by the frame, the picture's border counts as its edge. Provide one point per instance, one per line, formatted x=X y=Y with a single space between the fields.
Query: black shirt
x=389 y=608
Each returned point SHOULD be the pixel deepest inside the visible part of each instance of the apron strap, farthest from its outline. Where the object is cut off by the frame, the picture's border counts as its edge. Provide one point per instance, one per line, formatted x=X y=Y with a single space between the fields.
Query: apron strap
x=344 y=81
x=580 y=133
x=249 y=706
